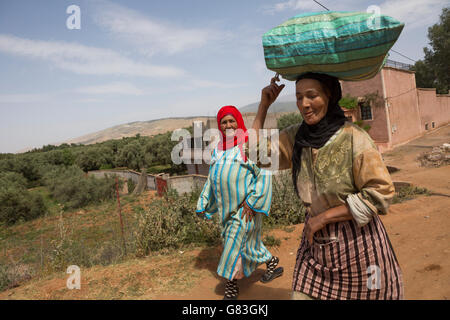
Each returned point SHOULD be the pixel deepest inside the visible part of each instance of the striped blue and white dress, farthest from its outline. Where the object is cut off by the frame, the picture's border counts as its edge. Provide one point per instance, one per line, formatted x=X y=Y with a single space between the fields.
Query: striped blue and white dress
x=230 y=182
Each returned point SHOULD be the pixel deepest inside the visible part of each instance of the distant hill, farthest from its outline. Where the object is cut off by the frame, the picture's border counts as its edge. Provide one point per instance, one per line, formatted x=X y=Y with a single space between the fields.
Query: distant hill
x=283 y=104
x=144 y=128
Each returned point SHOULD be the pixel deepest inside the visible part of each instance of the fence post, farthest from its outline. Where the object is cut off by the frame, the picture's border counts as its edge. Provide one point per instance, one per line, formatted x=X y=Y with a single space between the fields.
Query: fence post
x=120 y=216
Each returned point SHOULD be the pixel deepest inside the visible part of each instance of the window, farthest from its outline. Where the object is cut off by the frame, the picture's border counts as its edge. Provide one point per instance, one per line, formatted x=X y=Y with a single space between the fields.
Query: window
x=432 y=124
x=426 y=126
x=366 y=112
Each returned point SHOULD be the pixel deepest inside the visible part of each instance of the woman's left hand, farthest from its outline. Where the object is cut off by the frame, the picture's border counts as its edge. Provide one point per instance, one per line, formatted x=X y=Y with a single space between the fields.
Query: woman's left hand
x=314 y=224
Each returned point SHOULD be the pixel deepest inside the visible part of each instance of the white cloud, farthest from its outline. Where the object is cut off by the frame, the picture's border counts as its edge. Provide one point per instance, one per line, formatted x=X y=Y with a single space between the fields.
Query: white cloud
x=83 y=59
x=414 y=13
x=148 y=35
x=304 y=5
x=122 y=88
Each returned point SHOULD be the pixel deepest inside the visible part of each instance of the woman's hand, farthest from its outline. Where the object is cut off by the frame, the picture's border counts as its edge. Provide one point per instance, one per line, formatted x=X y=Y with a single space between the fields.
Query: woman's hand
x=247 y=212
x=314 y=224
x=332 y=215
x=270 y=93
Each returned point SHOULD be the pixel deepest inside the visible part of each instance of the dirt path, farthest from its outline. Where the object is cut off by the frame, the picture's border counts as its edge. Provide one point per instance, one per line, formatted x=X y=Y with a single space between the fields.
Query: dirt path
x=419 y=230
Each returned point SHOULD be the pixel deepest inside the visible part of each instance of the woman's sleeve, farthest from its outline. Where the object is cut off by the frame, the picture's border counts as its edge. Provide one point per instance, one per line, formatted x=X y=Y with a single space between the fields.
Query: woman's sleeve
x=282 y=147
x=372 y=179
x=207 y=201
x=259 y=197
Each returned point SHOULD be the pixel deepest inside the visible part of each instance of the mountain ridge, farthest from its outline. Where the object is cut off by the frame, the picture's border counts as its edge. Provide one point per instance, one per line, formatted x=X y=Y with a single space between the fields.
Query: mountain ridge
x=152 y=127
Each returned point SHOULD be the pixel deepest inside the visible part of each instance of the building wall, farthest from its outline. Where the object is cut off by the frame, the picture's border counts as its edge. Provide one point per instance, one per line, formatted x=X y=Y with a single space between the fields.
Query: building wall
x=433 y=108
x=427 y=107
x=443 y=101
x=403 y=105
x=379 y=129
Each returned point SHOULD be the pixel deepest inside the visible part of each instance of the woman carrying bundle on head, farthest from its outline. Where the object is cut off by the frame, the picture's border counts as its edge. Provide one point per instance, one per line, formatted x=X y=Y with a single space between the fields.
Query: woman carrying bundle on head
x=241 y=193
x=338 y=173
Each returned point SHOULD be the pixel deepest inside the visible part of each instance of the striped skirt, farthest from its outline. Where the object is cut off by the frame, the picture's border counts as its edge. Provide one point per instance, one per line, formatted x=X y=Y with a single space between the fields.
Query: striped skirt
x=348 y=262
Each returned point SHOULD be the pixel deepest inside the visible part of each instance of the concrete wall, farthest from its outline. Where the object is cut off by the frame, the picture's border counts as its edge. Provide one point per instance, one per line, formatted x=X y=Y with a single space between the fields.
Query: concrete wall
x=427 y=107
x=185 y=184
x=403 y=105
x=443 y=101
x=182 y=184
x=433 y=108
x=126 y=174
x=379 y=129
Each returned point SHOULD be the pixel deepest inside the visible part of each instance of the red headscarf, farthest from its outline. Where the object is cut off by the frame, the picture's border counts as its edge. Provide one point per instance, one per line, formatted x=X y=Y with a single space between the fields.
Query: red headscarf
x=240 y=137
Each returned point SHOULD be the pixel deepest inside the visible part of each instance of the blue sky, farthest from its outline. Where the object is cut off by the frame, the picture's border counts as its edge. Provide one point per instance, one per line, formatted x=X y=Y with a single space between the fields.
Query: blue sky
x=143 y=60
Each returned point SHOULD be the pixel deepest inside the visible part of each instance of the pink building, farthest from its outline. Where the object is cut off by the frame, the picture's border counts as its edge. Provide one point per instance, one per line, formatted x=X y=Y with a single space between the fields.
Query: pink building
x=395 y=110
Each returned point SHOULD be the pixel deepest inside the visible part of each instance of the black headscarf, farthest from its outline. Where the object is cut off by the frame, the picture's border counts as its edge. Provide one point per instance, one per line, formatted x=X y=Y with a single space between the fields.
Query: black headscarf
x=317 y=135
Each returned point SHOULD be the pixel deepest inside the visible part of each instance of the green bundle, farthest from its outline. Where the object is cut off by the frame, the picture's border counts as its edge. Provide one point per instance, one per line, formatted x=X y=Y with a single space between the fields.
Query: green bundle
x=347 y=45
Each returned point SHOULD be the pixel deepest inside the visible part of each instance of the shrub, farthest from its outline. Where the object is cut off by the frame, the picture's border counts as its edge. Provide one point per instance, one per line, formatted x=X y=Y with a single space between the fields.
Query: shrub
x=171 y=222
x=286 y=208
x=16 y=202
x=27 y=165
x=348 y=102
x=11 y=275
x=271 y=241
x=409 y=193
x=131 y=185
x=72 y=188
x=288 y=120
x=65 y=250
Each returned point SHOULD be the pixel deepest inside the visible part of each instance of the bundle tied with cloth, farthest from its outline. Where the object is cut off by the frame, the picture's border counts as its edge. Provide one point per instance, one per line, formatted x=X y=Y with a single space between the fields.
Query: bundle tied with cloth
x=350 y=46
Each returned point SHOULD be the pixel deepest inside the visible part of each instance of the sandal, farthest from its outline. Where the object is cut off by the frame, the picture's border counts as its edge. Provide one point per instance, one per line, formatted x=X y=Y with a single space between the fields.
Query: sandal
x=231 y=290
x=272 y=272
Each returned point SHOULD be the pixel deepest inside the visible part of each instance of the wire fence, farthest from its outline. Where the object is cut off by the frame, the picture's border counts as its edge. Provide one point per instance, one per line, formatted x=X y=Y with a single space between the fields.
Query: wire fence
x=398 y=65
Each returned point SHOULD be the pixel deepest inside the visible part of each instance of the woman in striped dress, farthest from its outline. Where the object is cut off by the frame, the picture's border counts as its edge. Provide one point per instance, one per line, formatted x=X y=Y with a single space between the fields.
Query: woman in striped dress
x=240 y=192
x=337 y=171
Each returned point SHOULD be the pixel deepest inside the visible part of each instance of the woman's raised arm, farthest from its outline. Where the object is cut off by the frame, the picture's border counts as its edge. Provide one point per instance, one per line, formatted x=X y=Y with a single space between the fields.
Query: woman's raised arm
x=268 y=96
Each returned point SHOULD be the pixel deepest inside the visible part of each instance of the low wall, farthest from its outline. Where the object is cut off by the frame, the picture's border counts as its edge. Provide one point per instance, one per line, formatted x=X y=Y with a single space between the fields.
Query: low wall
x=182 y=184
x=126 y=174
x=187 y=183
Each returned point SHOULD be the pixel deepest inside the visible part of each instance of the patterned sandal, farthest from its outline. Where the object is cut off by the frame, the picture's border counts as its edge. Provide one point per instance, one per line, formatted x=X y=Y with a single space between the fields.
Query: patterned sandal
x=272 y=272
x=231 y=290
